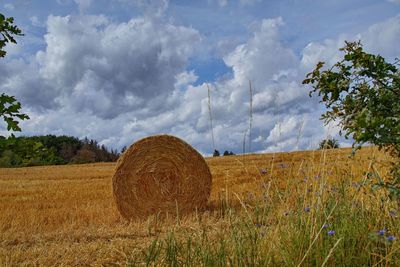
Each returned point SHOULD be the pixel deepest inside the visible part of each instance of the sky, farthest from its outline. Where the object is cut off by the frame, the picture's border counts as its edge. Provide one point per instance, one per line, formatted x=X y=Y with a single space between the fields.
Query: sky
x=120 y=70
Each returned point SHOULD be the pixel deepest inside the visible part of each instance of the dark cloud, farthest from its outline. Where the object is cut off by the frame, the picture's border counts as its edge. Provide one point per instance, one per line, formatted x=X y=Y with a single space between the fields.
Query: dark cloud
x=105 y=68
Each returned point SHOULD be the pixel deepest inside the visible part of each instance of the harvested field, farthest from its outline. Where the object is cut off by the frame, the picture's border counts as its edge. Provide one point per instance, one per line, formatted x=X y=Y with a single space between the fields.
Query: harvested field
x=66 y=215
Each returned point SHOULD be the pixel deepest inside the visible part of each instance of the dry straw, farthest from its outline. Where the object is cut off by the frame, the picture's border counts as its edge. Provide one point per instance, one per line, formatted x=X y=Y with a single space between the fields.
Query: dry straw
x=161 y=175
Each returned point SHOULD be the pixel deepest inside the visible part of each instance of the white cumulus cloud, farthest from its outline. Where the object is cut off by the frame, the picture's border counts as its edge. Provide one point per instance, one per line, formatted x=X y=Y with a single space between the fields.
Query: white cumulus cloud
x=117 y=82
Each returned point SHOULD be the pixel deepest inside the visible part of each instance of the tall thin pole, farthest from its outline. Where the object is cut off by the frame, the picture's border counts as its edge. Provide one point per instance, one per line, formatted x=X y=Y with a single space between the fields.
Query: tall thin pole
x=209 y=111
x=250 y=113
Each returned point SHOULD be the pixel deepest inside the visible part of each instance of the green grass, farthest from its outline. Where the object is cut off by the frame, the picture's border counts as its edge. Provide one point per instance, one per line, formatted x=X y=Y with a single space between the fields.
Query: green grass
x=277 y=229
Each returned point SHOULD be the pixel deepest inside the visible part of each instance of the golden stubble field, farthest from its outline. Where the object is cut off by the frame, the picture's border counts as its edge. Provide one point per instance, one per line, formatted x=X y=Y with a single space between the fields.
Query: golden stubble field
x=65 y=215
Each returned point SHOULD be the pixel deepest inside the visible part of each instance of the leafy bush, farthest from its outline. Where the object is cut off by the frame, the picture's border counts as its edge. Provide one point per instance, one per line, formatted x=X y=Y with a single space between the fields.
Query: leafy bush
x=9 y=106
x=362 y=92
x=51 y=150
x=329 y=144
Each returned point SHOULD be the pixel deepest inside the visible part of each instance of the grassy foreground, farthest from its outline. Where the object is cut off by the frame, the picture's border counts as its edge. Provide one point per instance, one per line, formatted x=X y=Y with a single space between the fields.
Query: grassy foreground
x=312 y=208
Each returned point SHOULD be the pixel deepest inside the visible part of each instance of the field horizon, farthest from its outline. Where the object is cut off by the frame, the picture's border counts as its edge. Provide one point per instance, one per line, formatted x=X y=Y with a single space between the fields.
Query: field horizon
x=276 y=205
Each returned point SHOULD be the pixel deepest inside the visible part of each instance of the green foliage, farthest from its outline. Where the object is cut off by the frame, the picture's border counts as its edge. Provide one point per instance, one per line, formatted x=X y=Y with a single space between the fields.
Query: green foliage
x=51 y=150
x=328 y=144
x=9 y=159
x=9 y=110
x=7 y=30
x=362 y=92
x=9 y=106
x=335 y=230
x=228 y=153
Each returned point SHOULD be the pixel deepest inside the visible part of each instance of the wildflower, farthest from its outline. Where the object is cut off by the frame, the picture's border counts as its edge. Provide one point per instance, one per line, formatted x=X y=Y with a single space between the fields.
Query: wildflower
x=382 y=232
x=258 y=225
x=324 y=226
x=307 y=209
x=264 y=171
x=309 y=190
x=317 y=177
x=390 y=238
x=331 y=232
x=393 y=213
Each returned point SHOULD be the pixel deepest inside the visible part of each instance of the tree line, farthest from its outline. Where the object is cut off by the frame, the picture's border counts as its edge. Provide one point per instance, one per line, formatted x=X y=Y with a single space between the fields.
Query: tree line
x=52 y=150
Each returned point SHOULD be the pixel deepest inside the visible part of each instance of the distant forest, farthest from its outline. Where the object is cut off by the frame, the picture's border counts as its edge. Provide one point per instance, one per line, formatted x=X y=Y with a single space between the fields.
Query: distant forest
x=52 y=150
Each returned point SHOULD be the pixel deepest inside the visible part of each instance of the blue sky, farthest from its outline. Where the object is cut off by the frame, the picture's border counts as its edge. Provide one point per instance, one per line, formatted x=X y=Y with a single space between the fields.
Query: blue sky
x=120 y=70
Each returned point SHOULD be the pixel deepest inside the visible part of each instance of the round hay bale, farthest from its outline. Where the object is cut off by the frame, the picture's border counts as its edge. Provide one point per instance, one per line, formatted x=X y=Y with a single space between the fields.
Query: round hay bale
x=158 y=175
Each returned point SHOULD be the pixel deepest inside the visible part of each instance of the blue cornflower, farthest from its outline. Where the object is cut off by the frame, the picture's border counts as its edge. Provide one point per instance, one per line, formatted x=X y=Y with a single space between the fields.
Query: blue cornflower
x=382 y=232
x=331 y=232
x=324 y=226
x=307 y=209
x=390 y=238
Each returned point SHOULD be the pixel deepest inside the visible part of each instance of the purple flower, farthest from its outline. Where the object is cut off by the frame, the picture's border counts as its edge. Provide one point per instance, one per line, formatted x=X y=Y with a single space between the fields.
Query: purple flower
x=393 y=213
x=264 y=171
x=307 y=209
x=324 y=226
x=382 y=232
x=331 y=232
x=283 y=165
x=391 y=238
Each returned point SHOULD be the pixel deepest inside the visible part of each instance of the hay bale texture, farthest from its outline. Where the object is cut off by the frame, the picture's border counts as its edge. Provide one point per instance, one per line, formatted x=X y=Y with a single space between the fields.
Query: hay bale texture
x=158 y=175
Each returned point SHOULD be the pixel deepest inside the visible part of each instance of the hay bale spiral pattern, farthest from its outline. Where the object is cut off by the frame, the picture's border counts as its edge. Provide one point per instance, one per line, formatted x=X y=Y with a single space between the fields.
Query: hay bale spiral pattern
x=158 y=175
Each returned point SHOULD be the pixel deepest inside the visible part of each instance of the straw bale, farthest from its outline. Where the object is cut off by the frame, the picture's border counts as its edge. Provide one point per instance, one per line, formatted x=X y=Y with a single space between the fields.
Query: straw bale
x=158 y=175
